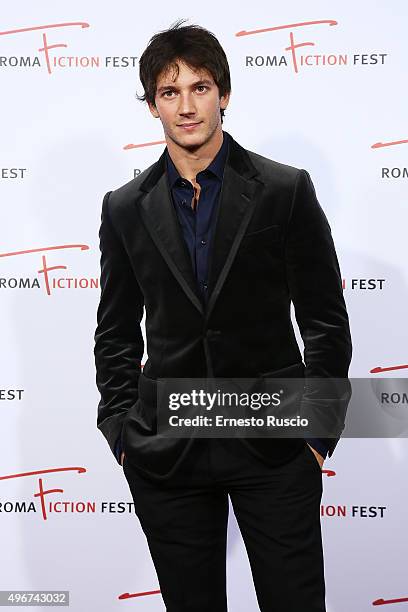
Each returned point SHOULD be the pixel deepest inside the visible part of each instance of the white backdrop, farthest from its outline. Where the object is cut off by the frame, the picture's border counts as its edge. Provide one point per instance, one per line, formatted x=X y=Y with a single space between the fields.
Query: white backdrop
x=65 y=136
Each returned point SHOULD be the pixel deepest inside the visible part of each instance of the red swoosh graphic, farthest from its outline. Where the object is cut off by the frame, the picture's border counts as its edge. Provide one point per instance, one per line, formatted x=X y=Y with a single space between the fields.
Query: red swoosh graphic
x=143 y=144
x=83 y=24
x=130 y=595
x=83 y=247
x=329 y=472
x=379 y=369
x=382 y=602
x=379 y=145
x=80 y=470
x=331 y=22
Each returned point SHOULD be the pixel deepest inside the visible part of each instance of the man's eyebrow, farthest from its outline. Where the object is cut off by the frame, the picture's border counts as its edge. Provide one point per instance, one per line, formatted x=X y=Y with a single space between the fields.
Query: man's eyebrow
x=195 y=84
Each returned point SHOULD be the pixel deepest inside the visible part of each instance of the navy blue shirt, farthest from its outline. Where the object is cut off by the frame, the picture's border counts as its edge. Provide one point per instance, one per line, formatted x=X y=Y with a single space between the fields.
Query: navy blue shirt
x=197 y=225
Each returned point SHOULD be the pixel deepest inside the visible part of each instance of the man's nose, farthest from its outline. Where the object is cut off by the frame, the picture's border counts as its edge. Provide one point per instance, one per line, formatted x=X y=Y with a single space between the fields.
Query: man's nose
x=186 y=106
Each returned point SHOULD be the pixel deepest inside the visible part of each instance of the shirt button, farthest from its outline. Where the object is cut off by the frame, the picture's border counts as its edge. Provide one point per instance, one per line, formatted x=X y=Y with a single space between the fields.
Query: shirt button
x=183 y=201
x=205 y=286
x=203 y=242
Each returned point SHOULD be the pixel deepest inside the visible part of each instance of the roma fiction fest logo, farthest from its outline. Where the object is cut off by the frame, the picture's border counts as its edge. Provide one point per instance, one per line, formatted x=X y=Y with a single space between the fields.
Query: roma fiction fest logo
x=46 y=277
x=47 y=502
x=12 y=173
x=391 y=172
x=9 y=395
x=49 y=498
x=343 y=511
x=54 y=52
x=363 y=284
x=296 y=46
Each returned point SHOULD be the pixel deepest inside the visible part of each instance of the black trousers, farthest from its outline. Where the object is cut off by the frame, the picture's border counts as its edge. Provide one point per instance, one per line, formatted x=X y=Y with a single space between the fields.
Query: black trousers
x=278 y=513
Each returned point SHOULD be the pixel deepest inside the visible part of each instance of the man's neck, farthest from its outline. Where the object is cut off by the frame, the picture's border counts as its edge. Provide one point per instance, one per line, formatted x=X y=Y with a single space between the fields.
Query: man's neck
x=190 y=163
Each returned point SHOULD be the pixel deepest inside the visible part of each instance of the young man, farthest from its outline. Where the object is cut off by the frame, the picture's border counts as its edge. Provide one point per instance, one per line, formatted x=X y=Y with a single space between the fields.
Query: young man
x=215 y=242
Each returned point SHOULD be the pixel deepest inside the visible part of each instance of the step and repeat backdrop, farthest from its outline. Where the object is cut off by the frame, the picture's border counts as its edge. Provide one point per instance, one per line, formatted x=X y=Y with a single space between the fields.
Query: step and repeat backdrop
x=315 y=85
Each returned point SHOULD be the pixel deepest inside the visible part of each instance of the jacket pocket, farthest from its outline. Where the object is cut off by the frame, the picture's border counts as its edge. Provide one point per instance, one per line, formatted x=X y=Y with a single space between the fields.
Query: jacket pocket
x=266 y=235
x=296 y=370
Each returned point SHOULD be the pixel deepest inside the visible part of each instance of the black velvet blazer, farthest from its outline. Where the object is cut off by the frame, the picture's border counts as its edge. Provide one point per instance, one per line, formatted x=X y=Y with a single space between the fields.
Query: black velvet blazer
x=272 y=245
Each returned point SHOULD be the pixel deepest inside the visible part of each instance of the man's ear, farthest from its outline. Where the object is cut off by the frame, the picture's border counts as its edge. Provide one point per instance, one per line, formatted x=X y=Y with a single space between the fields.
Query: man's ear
x=153 y=109
x=224 y=100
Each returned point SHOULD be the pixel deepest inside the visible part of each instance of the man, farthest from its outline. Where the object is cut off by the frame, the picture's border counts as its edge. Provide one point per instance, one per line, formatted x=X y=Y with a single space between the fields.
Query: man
x=215 y=242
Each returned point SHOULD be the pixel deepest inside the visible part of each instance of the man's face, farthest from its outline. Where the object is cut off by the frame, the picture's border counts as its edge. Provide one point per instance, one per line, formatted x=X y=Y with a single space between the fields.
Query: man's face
x=188 y=106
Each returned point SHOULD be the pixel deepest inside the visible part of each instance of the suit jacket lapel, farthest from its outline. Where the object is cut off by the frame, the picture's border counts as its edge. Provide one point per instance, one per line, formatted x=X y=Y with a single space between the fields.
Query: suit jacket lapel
x=163 y=225
x=239 y=193
x=238 y=196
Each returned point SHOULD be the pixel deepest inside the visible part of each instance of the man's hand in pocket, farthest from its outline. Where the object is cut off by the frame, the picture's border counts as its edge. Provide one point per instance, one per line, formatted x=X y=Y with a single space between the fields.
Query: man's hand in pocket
x=318 y=456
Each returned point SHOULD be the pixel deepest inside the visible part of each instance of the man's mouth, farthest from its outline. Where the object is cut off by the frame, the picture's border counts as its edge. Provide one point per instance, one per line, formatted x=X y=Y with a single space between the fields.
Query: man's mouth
x=189 y=126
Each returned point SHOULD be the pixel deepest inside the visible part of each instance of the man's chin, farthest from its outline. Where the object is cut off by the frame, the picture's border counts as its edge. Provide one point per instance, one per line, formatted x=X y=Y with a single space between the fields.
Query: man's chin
x=188 y=141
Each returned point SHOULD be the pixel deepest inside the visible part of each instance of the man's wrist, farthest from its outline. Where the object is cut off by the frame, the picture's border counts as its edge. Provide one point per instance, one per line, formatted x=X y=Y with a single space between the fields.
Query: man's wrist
x=318 y=445
x=118 y=449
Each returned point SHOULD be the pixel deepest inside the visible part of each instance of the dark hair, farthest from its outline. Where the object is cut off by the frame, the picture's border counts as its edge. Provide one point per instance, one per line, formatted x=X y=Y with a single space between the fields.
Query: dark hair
x=195 y=46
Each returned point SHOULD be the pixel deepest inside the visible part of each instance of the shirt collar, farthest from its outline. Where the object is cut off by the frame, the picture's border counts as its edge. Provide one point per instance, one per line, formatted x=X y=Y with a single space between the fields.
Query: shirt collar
x=216 y=166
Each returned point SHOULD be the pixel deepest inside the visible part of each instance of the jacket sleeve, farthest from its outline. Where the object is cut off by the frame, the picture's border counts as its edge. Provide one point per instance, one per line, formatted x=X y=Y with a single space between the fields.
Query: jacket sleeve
x=315 y=287
x=119 y=344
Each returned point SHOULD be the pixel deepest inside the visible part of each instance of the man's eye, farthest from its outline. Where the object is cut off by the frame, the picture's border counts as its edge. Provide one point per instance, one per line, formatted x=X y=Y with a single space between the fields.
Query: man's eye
x=171 y=91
